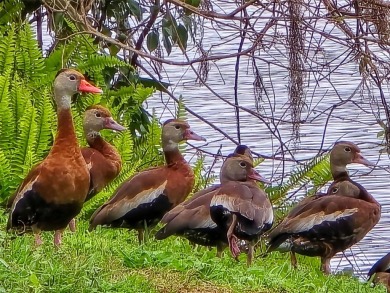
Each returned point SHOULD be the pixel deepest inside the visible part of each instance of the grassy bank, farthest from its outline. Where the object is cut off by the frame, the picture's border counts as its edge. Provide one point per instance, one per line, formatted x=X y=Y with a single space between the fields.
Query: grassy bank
x=111 y=261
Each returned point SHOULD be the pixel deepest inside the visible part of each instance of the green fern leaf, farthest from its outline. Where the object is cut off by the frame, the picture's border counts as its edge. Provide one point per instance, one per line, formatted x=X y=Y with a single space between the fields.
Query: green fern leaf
x=7 y=49
x=44 y=120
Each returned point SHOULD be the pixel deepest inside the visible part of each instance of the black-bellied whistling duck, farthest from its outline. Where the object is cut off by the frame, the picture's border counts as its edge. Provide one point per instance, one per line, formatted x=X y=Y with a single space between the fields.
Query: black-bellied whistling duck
x=381 y=272
x=342 y=154
x=240 y=207
x=328 y=224
x=54 y=191
x=103 y=160
x=143 y=199
x=191 y=219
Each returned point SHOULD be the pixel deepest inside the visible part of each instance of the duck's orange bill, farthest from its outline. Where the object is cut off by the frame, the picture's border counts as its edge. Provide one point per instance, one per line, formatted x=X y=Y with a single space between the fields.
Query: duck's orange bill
x=86 y=87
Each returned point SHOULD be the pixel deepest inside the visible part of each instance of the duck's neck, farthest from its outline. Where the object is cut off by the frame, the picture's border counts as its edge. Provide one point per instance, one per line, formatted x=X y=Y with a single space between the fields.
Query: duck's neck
x=338 y=171
x=172 y=153
x=66 y=139
x=96 y=141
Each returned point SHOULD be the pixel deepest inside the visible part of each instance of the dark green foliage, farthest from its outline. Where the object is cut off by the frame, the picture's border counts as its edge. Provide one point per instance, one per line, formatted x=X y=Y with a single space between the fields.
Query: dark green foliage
x=316 y=173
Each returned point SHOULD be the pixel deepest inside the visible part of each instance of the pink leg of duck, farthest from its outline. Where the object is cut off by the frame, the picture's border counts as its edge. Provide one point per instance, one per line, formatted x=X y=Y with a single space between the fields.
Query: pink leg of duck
x=72 y=225
x=37 y=235
x=251 y=252
x=58 y=238
x=232 y=239
x=325 y=265
x=38 y=240
x=293 y=259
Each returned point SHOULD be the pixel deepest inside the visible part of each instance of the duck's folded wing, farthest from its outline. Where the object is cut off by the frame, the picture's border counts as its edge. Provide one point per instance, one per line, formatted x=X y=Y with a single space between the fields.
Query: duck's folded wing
x=324 y=218
x=187 y=219
x=142 y=188
x=236 y=198
x=20 y=200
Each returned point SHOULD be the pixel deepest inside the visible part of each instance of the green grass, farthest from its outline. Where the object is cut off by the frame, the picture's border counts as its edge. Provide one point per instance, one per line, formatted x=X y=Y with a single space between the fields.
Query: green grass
x=109 y=260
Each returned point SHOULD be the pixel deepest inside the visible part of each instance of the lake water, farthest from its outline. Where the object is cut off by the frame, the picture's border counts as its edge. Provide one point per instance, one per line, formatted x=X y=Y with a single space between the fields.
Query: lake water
x=351 y=121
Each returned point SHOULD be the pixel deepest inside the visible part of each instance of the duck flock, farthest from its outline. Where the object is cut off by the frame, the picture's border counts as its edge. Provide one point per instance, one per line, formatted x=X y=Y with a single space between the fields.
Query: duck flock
x=221 y=216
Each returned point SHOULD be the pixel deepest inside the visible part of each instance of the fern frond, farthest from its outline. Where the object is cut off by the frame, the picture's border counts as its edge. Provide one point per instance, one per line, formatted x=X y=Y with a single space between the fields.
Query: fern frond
x=181 y=112
x=7 y=119
x=29 y=59
x=7 y=49
x=44 y=120
x=124 y=144
x=6 y=180
x=315 y=171
x=23 y=158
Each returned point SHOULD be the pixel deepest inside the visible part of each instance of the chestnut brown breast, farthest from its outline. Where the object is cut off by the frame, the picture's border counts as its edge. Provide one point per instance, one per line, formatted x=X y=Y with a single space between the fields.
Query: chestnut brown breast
x=104 y=164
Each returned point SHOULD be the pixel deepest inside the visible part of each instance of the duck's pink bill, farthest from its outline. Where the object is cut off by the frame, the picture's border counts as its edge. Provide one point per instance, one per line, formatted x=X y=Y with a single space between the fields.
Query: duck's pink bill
x=189 y=134
x=110 y=123
x=86 y=87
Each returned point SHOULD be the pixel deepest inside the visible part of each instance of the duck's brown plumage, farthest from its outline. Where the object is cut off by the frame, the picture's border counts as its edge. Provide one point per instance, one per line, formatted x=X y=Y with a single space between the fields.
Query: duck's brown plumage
x=148 y=195
x=240 y=207
x=103 y=160
x=54 y=191
x=342 y=154
x=329 y=224
x=381 y=272
x=191 y=219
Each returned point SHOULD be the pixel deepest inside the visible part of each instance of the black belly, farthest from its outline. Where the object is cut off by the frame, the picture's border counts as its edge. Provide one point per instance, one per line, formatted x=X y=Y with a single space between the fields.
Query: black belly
x=321 y=238
x=34 y=210
x=205 y=236
x=150 y=213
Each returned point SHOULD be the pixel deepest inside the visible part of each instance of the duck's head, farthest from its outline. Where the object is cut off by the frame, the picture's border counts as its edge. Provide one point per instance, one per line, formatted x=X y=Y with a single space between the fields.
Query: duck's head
x=69 y=82
x=344 y=153
x=175 y=131
x=239 y=168
x=344 y=188
x=97 y=117
x=244 y=151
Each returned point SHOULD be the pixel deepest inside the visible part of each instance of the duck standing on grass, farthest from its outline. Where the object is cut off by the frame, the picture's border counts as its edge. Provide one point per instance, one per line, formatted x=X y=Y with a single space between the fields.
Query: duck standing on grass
x=142 y=200
x=54 y=191
x=342 y=154
x=240 y=207
x=103 y=160
x=191 y=219
x=329 y=224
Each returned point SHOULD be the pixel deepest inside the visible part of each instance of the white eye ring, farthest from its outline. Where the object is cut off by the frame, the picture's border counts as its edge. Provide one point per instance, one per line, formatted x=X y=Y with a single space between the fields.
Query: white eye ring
x=242 y=165
x=98 y=115
x=335 y=189
x=177 y=127
x=347 y=149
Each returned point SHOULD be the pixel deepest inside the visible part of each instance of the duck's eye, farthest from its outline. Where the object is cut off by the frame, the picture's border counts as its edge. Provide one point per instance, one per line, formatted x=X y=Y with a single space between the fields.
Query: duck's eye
x=335 y=189
x=242 y=164
x=72 y=77
x=347 y=149
x=98 y=115
x=177 y=127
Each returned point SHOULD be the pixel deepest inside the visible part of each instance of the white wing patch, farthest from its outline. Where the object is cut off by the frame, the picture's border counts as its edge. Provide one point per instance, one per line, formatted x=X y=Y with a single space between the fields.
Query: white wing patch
x=207 y=223
x=318 y=218
x=145 y=196
x=222 y=200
